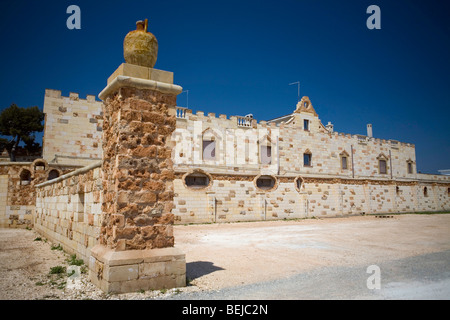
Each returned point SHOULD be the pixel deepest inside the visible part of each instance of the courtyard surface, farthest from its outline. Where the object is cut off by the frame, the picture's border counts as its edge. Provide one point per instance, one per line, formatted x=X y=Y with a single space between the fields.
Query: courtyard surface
x=301 y=259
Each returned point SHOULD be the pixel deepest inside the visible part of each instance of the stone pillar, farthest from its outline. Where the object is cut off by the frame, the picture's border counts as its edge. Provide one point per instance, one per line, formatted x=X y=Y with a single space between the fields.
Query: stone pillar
x=136 y=244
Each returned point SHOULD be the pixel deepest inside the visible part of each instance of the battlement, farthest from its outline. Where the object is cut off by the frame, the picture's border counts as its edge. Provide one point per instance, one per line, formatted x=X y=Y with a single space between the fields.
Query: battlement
x=73 y=128
x=183 y=113
x=224 y=120
x=51 y=93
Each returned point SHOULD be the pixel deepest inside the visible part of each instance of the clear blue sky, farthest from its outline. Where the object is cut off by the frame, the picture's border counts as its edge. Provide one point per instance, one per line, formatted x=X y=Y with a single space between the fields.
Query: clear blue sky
x=238 y=57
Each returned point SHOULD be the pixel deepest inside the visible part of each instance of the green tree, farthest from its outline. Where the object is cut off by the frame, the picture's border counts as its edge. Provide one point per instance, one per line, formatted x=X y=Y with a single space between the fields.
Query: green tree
x=20 y=124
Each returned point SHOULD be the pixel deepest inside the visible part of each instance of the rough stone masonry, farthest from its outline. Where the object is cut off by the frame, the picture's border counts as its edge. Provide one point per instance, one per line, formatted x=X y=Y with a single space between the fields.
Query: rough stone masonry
x=136 y=244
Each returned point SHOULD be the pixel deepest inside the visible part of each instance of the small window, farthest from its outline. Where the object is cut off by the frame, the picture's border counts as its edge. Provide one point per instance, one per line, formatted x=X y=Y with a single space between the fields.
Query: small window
x=209 y=150
x=410 y=167
x=53 y=174
x=25 y=177
x=266 y=154
x=344 y=163
x=383 y=166
x=265 y=182
x=306 y=124
x=448 y=192
x=197 y=180
x=39 y=166
x=425 y=192
x=307 y=159
x=299 y=183
x=397 y=190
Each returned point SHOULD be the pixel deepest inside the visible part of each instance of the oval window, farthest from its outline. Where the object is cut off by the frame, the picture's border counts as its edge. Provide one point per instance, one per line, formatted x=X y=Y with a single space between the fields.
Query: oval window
x=299 y=183
x=265 y=182
x=197 y=180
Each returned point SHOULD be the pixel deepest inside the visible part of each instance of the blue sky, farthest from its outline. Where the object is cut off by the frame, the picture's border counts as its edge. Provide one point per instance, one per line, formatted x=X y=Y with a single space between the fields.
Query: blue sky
x=238 y=57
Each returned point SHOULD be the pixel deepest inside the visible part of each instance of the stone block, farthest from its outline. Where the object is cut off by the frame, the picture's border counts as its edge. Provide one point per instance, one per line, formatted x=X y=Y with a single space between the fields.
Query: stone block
x=133 y=270
x=135 y=71
x=121 y=273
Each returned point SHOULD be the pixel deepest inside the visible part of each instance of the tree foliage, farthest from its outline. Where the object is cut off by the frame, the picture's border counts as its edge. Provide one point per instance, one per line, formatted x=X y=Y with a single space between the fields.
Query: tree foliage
x=20 y=124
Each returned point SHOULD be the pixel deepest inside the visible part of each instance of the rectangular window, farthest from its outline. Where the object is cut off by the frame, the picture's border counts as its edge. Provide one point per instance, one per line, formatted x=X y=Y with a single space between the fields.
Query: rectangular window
x=266 y=154
x=306 y=125
x=307 y=159
x=209 y=150
x=410 y=168
x=383 y=166
x=344 y=163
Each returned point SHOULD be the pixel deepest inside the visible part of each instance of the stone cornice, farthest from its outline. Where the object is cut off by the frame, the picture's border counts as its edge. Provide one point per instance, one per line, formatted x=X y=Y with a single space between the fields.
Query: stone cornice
x=124 y=81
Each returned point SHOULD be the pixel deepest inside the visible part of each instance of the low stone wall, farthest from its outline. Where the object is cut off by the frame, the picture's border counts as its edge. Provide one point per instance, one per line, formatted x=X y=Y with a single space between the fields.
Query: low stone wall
x=17 y=189
x=68 y=210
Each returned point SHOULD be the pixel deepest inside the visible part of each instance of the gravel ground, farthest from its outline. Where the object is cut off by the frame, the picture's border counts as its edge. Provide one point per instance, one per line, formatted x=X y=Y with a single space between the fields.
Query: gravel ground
x=425 y=277
x=258 y=260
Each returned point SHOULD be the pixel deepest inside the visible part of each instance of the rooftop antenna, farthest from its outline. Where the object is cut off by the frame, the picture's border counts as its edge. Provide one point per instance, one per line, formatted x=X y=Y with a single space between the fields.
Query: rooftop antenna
x=298 y=89
x=187 y=98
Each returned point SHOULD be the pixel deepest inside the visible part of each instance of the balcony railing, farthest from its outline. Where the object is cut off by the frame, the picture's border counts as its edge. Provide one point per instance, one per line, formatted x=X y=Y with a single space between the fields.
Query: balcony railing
x=181 y=112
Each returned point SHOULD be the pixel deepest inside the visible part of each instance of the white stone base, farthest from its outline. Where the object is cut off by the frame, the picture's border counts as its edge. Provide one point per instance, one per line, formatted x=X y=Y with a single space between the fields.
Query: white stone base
x=134 y=270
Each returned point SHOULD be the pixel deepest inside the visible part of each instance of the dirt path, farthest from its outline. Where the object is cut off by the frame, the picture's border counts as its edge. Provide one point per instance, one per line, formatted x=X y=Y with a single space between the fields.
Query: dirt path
x=226 y=255
x=25 y=262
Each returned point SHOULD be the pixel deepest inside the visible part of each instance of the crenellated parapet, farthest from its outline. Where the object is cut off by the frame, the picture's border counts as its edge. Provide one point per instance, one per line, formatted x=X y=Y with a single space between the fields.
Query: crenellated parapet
x=297 y=144
x=73 y=128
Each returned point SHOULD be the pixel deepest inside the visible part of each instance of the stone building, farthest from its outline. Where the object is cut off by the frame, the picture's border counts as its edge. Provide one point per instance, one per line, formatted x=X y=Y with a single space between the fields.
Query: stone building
x=116 y=175
x=237 y=169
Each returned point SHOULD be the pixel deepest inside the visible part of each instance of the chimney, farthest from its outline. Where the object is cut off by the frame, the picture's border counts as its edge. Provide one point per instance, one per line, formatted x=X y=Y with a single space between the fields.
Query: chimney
x=369 y=130
x=329 y=127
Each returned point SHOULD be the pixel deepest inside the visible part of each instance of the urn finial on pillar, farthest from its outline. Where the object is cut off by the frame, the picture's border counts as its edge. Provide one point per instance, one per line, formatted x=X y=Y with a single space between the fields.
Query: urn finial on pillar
x=136 y=249
x=140 y=47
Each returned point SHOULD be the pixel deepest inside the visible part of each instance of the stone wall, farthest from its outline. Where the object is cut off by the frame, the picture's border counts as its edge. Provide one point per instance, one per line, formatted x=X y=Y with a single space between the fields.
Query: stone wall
x=17 y=189
x=73 y=129
x=68 y=210
x=327 y=188
x=238 y=199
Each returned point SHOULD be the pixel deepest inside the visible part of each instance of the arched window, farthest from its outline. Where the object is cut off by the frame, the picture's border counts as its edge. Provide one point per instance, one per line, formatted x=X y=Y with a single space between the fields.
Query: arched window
x=344 y=160
x=397 y=190
x=425 y=192
x=25 y=177
x=39 y=166
x=53 y=174
x=382 y=164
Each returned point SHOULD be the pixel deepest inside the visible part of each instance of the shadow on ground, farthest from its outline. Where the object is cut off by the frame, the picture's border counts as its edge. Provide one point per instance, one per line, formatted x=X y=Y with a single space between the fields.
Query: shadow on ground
x=198 y=269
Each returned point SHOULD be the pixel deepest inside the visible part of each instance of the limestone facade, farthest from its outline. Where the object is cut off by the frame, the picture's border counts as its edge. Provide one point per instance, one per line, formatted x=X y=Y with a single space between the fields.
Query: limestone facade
x=73 y=129
x=314 y=170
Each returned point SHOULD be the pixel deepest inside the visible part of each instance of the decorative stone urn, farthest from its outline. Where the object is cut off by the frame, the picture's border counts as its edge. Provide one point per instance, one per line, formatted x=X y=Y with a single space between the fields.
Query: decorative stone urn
x=140 y=47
